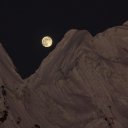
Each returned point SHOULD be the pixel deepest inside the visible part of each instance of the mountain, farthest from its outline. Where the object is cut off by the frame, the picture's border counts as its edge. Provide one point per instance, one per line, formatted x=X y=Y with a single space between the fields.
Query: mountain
x=82 y=83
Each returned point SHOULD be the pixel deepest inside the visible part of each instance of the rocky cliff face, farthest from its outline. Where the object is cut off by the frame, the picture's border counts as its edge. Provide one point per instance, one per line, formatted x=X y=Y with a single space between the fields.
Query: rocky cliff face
x=83 y=83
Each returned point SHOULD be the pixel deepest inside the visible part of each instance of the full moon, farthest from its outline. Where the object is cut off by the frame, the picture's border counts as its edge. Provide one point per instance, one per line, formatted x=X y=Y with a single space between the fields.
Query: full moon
x=47 y=41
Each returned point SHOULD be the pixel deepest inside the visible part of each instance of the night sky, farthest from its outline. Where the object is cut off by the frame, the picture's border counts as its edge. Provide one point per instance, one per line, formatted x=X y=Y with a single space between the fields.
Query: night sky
x=23 y=24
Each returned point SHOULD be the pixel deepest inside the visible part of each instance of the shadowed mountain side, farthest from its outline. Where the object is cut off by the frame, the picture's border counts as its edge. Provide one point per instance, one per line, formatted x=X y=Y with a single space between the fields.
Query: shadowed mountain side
x=83 y=83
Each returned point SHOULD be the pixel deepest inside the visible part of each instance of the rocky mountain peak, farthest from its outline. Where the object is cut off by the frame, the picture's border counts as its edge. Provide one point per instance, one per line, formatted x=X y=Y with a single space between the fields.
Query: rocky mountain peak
x=82 y=83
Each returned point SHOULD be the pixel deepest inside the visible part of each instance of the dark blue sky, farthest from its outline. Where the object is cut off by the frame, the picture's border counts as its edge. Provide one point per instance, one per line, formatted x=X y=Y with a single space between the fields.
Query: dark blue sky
x=22 y=25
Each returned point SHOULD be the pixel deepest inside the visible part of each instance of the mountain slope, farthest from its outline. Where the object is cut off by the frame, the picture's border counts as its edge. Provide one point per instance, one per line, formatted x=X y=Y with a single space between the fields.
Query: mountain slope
x=83 y=83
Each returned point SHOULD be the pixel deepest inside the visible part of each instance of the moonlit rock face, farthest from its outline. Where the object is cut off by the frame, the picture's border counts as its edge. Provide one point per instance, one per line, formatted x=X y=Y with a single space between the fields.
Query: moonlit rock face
x=126 y=23
x=47 y=41
x=83 y=83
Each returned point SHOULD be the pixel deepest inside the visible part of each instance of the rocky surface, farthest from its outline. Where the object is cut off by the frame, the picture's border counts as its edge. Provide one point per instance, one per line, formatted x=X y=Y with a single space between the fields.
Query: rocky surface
x=83 y=83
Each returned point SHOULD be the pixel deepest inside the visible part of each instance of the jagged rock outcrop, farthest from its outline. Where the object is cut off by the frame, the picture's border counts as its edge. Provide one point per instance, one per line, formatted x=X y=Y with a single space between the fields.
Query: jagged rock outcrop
x=82 y=83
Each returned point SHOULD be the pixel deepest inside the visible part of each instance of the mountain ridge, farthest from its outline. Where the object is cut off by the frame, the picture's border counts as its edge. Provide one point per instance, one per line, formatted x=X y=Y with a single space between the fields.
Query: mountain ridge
x=81 y=84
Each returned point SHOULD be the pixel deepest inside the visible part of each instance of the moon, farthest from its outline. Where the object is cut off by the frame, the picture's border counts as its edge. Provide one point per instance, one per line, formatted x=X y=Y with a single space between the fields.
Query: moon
x=47 y=41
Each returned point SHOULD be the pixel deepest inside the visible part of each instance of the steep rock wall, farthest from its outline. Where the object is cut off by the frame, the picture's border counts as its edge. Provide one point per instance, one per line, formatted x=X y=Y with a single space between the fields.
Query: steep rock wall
x=83 y=83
